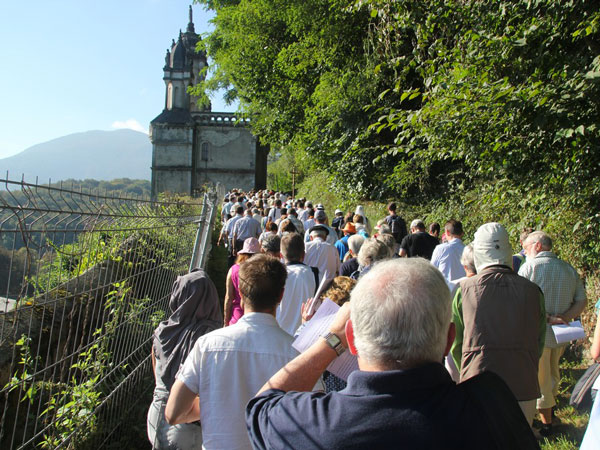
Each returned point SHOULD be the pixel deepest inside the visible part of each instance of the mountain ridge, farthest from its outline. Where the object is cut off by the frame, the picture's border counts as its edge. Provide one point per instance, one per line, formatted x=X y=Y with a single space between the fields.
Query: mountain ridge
x=93 y=154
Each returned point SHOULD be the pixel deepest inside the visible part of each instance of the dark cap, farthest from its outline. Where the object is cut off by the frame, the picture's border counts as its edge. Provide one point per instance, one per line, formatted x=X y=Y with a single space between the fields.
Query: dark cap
x=319 y=228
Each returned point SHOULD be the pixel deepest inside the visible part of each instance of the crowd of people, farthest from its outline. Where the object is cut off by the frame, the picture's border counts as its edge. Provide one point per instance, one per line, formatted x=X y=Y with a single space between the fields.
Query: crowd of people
x=454 y=343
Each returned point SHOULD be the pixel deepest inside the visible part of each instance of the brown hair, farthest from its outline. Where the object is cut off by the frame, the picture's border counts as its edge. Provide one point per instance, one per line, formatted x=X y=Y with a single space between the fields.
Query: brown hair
x=292 y=247
x=262 y=280
x=288 y=225
x=243 y=257
x=340 y=290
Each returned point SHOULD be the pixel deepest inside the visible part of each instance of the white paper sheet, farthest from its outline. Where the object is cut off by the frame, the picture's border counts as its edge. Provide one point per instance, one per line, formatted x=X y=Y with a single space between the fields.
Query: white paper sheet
x=315 y=303
x=343 y=365
x=566 y=333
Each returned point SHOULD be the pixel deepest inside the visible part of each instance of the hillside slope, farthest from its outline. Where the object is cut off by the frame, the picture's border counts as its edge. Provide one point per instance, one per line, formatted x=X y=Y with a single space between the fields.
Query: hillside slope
x=100 y=155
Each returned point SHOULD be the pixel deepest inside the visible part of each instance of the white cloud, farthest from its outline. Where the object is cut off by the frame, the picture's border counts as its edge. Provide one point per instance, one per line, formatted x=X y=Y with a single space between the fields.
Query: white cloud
x=131 y=124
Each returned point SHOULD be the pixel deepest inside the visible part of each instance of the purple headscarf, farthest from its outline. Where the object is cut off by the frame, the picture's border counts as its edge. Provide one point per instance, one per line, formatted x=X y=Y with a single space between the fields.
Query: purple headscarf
x=196 y=311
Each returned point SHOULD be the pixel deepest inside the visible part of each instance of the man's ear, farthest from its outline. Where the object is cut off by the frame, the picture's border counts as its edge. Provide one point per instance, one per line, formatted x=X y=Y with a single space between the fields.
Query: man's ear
x=451 y=336
x=350 y=337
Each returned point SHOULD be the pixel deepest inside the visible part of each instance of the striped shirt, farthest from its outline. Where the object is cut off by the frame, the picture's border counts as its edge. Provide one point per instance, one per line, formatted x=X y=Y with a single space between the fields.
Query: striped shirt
x=559 y=282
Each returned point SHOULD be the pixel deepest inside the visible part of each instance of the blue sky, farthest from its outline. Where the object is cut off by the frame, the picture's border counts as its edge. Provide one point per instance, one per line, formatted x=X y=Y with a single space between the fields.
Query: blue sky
x=78 y=65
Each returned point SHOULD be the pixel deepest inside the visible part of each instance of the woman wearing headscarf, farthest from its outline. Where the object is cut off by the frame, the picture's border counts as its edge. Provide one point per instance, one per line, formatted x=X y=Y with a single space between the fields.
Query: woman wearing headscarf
x=360 y=210
x=195 y=311
x=233 y=310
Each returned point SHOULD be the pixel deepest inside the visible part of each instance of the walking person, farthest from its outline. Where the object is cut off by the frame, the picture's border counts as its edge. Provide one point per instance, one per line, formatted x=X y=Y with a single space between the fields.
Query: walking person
x=232 y=307
x=195 y=311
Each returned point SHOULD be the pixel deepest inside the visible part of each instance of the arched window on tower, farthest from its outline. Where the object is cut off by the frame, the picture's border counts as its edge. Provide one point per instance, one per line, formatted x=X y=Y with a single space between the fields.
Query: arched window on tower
x=170 y=96
x=204 y=151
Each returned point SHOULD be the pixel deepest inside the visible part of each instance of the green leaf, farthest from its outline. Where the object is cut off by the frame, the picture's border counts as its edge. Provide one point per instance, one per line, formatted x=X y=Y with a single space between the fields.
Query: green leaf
x=520 y=42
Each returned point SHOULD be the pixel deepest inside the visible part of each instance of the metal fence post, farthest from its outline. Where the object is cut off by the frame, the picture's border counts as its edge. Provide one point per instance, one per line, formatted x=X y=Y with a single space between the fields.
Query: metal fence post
x=202 y=245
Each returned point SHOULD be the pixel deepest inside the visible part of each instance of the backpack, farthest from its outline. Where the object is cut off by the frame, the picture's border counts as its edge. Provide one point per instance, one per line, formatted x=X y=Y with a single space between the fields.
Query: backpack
x=397 y=227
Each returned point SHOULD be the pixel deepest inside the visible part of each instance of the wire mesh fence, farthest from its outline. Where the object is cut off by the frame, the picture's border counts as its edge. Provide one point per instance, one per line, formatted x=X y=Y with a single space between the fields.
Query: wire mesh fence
x=84 y=280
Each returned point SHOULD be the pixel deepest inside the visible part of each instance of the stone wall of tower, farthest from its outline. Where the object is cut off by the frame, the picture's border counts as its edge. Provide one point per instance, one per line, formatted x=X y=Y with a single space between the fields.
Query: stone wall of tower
x=171 y=158
x=225 y=154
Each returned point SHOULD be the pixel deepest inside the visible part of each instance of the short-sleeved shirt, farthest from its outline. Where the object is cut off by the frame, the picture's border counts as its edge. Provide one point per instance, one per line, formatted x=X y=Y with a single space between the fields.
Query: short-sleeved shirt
x=559 y=282
x=227 y=367
x=446 y=257
x=230 y=224
x=246 y=228
x=419 y=244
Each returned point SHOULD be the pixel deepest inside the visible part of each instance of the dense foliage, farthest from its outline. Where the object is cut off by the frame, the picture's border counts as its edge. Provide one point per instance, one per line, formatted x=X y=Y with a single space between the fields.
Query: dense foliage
x=492 y=104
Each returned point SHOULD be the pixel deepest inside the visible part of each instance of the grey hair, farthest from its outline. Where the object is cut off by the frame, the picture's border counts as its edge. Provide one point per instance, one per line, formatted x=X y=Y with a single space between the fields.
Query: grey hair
x=319 y=233
x=401 y=311
x=372 y=251
x=385 y=229
x=418 y=224
x=355 y=242
x=542 y=238
x=389 y=241
x=467 y=259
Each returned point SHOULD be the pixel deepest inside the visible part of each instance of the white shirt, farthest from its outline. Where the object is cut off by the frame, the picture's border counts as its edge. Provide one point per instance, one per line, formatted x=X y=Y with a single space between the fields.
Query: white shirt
x=446 y=257
x=274 y=213
x=324 y=256
x=299 y=285
x=303 y=215
x=226 y=368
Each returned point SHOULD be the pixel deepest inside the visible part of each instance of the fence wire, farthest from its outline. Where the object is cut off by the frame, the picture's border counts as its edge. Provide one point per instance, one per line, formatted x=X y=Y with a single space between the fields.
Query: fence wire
x=84 y=280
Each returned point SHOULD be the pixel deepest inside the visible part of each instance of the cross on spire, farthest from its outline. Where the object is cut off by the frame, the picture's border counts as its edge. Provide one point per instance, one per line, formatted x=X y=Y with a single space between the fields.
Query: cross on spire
x=190 y=26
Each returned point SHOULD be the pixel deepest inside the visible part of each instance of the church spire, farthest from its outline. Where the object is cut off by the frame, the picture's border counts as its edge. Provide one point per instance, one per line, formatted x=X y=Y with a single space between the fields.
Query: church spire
x=190 y=26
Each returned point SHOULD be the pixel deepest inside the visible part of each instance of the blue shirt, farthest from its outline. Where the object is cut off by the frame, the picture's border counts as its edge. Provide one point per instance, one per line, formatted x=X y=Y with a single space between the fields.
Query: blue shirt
x=342 y=246
x=418 y=408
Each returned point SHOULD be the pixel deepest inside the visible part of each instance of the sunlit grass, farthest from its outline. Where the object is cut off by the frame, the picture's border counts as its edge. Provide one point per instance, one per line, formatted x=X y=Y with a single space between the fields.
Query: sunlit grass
x=570 y=424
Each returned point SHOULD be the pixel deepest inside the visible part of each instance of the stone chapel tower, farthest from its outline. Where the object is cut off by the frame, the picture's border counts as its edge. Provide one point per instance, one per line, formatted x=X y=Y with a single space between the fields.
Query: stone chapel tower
x=192 y=146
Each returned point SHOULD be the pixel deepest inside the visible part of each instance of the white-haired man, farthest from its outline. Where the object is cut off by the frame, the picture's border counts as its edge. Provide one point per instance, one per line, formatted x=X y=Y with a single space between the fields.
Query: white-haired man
x=565 y=299
x=402 y=396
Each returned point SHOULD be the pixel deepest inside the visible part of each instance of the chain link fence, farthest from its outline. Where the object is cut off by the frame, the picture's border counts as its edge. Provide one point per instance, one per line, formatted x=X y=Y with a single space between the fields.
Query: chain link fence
x=84 y=280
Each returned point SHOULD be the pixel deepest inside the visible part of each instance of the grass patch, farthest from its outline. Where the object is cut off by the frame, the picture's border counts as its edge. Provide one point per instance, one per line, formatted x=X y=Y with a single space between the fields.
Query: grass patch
x=570 y=424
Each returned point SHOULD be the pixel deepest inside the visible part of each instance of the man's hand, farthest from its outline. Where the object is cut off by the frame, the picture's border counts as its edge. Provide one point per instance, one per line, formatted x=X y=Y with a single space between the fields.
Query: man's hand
x=306 y=306
x=338 y=326
x=557 y=320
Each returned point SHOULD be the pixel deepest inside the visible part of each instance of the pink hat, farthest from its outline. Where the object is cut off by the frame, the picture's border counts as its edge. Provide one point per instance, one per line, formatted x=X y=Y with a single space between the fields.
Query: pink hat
x=251 y=246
